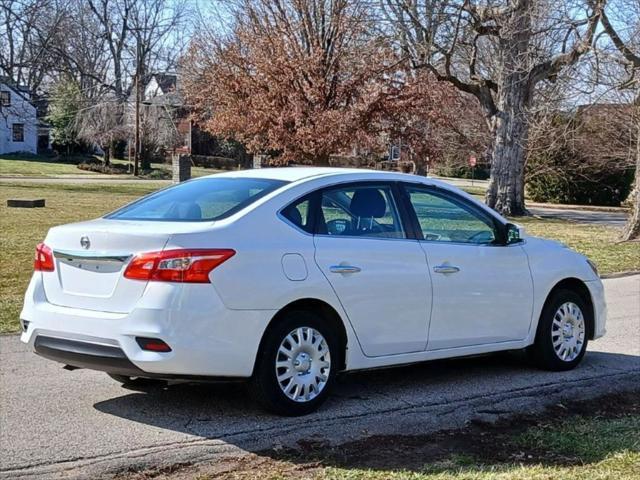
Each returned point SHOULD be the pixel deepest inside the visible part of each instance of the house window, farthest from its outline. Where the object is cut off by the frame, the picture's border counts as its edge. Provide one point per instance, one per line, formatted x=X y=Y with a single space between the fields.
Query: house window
x=18 y=132
x=5 y=99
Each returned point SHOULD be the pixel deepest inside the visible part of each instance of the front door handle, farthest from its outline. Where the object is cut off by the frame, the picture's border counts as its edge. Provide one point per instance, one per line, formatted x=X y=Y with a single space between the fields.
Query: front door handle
x=445 y=269
x=344 y=269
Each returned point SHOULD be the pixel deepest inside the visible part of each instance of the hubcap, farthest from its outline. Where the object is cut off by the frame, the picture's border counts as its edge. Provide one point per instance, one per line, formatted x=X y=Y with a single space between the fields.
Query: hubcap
x=568 y=331
x=303 y=364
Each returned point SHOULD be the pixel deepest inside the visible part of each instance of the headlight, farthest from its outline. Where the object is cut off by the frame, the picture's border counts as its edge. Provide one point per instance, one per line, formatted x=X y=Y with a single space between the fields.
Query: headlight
x=593 y=267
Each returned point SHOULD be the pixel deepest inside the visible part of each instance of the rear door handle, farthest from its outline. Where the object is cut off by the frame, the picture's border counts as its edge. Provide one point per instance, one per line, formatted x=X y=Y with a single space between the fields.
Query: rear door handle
x=445 y=269
x=344 y=269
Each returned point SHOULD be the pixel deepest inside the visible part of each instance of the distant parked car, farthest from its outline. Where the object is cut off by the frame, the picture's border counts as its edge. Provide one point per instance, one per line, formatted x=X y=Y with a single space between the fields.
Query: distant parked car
x=288 y=276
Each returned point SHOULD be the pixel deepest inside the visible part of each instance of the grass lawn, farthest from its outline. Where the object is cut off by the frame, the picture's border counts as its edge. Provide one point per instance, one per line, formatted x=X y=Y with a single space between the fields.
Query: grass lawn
x=598 y=242
x=35 y=165
x=39 y=166
x=22 y=229
x=589 y=440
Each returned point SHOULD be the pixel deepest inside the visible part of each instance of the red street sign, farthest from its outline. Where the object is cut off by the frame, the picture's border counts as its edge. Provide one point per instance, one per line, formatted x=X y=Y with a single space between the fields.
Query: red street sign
x=472 y=161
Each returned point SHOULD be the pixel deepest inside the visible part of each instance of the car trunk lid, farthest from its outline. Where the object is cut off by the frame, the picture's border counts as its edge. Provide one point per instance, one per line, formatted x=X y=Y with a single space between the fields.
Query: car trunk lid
x=90 y=259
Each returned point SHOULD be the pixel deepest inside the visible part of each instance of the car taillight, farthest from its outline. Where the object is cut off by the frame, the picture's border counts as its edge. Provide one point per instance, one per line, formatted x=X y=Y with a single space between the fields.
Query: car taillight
x=186 y=266
x=43 y=261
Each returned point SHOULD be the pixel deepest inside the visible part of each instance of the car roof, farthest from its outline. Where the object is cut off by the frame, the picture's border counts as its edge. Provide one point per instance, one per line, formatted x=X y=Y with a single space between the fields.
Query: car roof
x=290 y=174
x=296 y=174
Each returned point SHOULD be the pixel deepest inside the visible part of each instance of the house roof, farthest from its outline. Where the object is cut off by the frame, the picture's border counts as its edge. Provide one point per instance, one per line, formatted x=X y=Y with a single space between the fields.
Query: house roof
x=166 y=81
x=20 y=90
x=168 y=93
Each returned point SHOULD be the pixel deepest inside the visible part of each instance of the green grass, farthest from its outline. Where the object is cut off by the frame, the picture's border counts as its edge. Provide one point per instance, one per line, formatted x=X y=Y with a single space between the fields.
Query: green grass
x=43 y=166
x=34 y=165
x=598 y=242
x=623 y=466
x=589 y=439
x=578 y=448
x=601 y=443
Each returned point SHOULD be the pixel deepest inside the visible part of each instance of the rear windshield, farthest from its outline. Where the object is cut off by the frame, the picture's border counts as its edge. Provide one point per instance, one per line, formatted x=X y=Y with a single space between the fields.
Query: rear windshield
x=204 y=199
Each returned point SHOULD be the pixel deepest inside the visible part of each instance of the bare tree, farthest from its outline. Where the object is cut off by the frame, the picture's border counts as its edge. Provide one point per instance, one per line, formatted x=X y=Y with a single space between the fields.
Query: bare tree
x=27 y=29
x=116 y=42
x=101 y=124
x=627 y=19
x=498 y=51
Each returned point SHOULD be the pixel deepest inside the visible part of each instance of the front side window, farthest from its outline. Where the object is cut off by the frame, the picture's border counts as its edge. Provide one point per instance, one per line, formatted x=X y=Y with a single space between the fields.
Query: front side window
x=360 y=211
x=5 y=99
x=18 y=132
x=443 y=218
x=205 y=199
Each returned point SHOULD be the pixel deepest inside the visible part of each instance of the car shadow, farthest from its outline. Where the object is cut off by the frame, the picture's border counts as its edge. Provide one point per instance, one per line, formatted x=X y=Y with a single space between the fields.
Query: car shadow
x=226 y=411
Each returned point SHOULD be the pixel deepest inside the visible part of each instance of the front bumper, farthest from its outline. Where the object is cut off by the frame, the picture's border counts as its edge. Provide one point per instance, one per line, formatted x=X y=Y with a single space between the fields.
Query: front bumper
x=596 y=289
x=206 y=338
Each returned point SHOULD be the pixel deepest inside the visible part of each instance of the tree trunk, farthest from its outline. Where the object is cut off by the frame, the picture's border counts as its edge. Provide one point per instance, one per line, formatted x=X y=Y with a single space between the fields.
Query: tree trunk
x=632 y=228
x=321 y=160
x=506 y=185
x=510 y=122
x=145 y=157
x=107 y=155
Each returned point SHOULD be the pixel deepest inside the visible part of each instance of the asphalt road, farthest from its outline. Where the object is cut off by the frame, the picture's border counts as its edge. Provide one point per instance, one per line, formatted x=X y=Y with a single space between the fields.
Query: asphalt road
x=582 y=215
x=55 y=423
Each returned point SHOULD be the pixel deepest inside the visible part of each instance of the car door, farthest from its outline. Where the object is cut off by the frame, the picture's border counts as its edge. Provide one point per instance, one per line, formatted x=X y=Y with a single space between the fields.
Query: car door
x=482 y=289
x=379 y=275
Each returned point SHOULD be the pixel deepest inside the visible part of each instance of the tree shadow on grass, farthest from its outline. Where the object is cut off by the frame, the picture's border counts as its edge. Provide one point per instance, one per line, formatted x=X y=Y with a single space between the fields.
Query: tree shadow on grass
x=563 y=435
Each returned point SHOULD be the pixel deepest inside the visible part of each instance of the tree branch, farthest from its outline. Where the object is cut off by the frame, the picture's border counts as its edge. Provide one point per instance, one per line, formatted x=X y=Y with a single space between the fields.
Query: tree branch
x=630 y=56
x=552 y=66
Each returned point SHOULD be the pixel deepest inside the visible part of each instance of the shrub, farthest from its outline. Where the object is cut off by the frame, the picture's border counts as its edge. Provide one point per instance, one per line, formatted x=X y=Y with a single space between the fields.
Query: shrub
x=563 y=177
x=99 y=167
x=481 y=172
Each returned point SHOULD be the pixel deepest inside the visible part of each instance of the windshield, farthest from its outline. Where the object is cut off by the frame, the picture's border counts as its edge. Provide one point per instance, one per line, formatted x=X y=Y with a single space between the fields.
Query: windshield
x=205 y=199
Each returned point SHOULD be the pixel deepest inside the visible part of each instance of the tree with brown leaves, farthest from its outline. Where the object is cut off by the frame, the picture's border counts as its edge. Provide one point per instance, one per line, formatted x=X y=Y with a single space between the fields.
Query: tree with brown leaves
x=305 y=79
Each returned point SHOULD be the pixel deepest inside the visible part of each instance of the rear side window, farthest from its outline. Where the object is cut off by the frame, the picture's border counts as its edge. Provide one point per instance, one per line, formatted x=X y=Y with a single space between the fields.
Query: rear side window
x=205 y=199
x=299 y=213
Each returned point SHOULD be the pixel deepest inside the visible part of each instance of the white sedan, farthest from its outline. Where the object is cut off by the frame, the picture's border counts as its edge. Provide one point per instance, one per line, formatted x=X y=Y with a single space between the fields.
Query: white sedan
x=288 y=276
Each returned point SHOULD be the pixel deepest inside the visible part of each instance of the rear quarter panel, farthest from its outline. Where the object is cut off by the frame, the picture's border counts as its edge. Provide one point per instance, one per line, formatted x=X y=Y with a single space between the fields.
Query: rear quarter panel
x=254 y=278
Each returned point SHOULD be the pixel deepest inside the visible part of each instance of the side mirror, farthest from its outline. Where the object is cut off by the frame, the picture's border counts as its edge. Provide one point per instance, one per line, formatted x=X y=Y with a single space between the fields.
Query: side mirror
x=515 y=233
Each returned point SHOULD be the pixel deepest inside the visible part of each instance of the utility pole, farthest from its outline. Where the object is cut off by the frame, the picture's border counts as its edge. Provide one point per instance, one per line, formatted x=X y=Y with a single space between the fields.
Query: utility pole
x=136 y=153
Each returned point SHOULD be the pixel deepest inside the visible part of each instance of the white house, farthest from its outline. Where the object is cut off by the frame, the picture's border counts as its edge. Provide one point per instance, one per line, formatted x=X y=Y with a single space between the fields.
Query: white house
x=160 y=84
x=18 y=120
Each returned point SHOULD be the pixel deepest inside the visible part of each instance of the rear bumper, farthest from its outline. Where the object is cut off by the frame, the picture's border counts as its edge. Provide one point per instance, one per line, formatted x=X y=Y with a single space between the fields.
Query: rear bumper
x=206 y=339
x=106 y=358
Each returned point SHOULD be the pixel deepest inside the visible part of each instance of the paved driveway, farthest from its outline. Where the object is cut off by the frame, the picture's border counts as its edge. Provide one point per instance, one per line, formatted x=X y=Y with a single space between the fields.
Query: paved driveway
x=55 y=423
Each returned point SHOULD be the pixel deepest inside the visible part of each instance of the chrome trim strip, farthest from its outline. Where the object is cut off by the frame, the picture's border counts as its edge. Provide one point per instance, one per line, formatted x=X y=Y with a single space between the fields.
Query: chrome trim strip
x=98 y=256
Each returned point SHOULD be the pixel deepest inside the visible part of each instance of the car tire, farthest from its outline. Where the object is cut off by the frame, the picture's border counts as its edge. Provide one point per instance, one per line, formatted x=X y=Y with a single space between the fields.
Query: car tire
x=296 y=365
x=562 y=335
